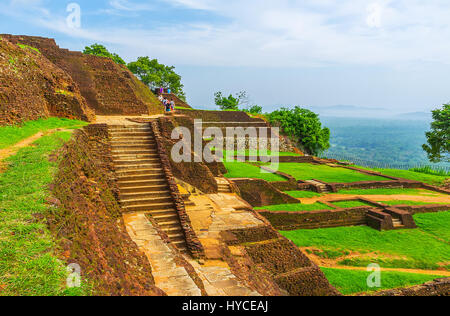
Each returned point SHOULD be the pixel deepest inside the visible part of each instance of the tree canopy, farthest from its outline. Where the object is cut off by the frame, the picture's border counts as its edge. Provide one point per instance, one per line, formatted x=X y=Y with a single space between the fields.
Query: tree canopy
x=155 y=75
x=438 y=147
x=304 y=127
x=101 y=51
x=231 y=102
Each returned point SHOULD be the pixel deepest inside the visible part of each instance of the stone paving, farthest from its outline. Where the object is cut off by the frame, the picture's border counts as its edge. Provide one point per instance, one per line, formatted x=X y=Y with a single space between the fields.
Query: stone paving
x=169 y=277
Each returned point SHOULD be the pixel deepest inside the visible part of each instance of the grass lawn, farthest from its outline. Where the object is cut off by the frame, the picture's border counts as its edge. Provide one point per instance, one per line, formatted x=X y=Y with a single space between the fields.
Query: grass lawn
x=248 y=153
x=302 y=194
x=427 y=247
x=238 y=169
x=412 y=175
x=10 y=135
x=305 y=171
x=28 y=264
x=384 y=192
x=398 y=202
x=350 y=204
x=350 y=282
x=295 y=207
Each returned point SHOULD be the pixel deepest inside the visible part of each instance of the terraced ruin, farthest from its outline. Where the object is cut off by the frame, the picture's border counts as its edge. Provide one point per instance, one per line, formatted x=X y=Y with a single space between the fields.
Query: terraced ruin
x=107 y=195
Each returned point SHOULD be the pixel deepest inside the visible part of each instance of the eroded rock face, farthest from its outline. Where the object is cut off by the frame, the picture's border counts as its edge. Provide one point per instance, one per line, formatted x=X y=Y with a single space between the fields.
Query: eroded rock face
x=108 y=88
x=32 y=87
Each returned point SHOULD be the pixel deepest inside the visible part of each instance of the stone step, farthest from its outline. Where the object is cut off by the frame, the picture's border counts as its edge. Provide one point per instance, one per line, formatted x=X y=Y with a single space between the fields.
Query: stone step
x=130 y=156
x=143 y=195
x=144 y=189
x=164 y=217
x=137 y=172
x=130 y=129
x=131 y=134
x=146 y=201
x=170 y=224
x=133 y=167
x=141 y=151
x=141 y=183
x=172 y=230
x=135 y=161
x=177 y=236
x=148 y=207
x=132 y=139
x=142 y=176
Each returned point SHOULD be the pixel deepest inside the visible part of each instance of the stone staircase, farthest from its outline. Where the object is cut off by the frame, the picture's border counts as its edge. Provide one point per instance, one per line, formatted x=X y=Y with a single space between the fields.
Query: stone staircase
x=223 y=185
x=321 y=187
x=141 y=179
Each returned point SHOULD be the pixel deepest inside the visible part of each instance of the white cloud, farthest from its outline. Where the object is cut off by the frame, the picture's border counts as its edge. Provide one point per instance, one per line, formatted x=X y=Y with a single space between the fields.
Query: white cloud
x=283 y=33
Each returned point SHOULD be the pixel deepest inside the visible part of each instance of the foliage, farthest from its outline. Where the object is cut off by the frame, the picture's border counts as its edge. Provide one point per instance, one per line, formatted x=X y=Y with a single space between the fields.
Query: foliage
x=231 y=102
x=23 y=46
x=304 y=126
x=350 y=282
x=10 y=135
x=432 y=171
x=306 y=171
x=254 y=109
x=426 y=247
x=295 y=207
x=243 y=170
x=101 y=51
x=28 y=263
x=438 y=147
x=155 y=75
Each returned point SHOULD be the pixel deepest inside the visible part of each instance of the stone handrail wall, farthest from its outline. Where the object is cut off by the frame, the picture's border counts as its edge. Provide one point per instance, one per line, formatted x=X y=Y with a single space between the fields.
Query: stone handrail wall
x=192 y=241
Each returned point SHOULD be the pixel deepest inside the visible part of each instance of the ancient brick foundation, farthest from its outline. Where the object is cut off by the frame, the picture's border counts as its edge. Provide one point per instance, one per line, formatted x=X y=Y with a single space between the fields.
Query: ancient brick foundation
x=193 y=244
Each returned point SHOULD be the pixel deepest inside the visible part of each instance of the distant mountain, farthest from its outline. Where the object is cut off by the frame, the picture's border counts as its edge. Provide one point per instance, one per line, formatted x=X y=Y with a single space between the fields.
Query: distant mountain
x=350 y=111
x=422 y=116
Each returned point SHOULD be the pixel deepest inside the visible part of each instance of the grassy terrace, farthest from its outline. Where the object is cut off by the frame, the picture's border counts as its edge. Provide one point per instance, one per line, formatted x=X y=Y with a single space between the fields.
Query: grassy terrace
x=243 y=170
x=412 y=175
x=10 y=135
x=305 y=171
x=302 y=194
x=28 y=262
x=386 y=192
x=399 y=202
x=350 y=204
x=427 y=247
x=295 y=207
x=350 y=282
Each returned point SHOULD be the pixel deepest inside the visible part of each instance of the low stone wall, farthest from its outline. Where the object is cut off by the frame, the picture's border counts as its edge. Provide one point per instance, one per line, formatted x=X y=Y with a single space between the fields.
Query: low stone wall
x=416 y=209
x=259 y=193
x=193 y=243
x=273 y=258
x=317 y=219
x=438 y=287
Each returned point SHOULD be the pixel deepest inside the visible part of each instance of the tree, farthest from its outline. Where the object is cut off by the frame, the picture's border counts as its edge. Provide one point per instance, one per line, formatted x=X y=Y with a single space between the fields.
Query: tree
x=438 y=146
x=101 y=51
x=231 y=102
x=255 y=109
x=304 y=127
x=155 y=75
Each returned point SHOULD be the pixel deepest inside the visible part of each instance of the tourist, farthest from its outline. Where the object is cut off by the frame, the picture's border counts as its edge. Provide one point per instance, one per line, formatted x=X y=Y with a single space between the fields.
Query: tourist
x=167 y=105
x=172 y=105
x=161 y=98
x=168 y=90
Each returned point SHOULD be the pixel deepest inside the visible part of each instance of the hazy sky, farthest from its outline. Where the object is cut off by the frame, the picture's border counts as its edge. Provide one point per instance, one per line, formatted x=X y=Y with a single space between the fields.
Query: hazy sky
x=393 y=54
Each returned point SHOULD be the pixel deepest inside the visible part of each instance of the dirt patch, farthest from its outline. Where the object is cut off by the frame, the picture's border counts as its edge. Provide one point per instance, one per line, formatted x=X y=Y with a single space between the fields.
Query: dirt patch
x=86 y=219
